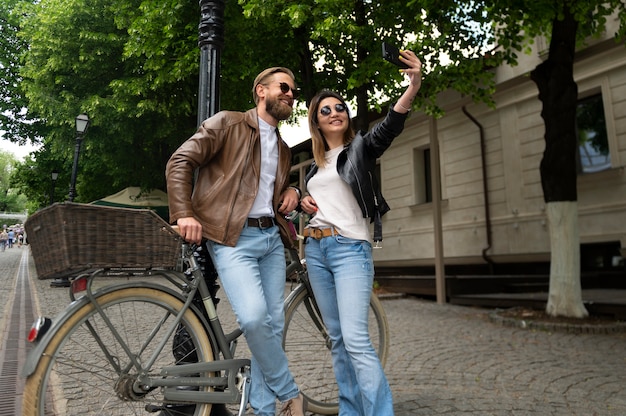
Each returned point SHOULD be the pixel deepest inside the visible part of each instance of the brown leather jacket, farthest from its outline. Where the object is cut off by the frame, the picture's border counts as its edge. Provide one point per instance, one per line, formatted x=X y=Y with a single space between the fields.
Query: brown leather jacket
x=227 y=152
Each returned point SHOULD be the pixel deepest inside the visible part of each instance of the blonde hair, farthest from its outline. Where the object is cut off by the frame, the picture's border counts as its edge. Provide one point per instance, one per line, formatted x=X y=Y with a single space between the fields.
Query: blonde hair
x=318 y=141
x=265 y=76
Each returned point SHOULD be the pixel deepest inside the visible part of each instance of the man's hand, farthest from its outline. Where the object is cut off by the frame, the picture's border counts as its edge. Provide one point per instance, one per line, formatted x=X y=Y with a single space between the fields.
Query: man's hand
x=190 y=229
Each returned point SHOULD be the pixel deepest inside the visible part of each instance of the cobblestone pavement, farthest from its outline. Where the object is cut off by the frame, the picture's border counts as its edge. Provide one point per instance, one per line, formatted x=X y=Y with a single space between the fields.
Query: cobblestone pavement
x=452 y=360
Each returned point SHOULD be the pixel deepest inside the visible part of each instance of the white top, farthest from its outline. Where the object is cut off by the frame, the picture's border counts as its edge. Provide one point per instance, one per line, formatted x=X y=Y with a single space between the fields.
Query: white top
x=336 y=205
x=262 y=206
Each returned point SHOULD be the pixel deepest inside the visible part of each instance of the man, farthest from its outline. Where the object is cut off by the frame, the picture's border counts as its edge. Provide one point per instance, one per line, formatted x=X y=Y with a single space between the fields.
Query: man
x=238 y=203
x=4 y=237
x=11 y=237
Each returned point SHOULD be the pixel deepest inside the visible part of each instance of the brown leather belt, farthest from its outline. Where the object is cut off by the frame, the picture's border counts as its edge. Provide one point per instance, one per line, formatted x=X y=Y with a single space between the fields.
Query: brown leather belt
x=319 y=233
x=263 y=222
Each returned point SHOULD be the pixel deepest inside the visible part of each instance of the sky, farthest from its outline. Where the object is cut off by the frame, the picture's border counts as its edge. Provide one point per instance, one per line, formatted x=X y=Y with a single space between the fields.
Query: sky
x=19 y=151
x=294 y=134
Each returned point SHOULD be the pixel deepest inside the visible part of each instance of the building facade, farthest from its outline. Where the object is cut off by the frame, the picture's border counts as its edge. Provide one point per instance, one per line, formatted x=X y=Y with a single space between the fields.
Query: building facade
x=492 y=207
x=490 y=212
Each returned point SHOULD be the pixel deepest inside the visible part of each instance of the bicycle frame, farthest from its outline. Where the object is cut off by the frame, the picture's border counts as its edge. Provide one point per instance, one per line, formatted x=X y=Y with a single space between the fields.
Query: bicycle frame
x=234 y=370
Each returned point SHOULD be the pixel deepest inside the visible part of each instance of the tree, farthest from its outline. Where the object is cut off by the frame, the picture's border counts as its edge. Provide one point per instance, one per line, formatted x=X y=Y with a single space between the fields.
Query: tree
x=77 y=62
x=133 y=67
x=16 y=124
x=340 y=47
x=343 y=42
x=10 y=198
x=32 y=177
x=568 y=24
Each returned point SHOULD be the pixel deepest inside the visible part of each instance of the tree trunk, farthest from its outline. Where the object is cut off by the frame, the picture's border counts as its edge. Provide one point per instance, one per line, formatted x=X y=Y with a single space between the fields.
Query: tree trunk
x=309 y=87
x=565 y=296
x=559 y=94
x=361 y=121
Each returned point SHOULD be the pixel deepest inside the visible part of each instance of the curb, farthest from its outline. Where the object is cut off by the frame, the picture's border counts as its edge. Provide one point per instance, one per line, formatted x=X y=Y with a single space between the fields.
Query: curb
x=390 y=295
x=571 y=328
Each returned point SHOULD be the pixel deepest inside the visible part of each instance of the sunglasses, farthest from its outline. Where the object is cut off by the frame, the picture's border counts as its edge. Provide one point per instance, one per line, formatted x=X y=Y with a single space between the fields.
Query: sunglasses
x=285 y=88
x=340 y=108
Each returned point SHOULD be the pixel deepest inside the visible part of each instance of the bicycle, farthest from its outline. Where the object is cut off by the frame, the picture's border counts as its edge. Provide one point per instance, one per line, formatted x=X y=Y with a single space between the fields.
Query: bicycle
x=111 y=350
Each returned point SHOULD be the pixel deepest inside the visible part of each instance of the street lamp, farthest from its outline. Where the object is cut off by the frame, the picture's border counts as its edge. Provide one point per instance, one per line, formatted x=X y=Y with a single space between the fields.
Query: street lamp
x=211 y=42
x=82 y=122
x=54 y=175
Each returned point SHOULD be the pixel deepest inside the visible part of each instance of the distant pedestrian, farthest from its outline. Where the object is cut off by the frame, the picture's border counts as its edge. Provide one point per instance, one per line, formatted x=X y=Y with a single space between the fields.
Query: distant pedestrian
x=11 y=238
x=4 y=238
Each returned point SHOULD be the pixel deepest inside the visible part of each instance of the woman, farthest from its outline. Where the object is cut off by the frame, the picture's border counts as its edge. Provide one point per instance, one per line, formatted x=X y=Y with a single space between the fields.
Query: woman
x=343 y=197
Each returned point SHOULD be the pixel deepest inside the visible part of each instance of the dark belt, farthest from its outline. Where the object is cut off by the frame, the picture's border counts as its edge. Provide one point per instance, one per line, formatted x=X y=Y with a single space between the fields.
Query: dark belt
x=263 y=222
x=319 y=233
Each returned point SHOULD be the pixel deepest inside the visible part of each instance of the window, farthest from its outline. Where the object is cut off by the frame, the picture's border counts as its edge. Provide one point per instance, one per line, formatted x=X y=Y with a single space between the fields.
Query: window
x=593 y=144
x=422 y=180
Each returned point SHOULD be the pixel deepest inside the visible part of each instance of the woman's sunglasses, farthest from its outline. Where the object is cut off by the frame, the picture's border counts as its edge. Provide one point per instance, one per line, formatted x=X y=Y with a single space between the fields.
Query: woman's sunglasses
x=285 y=88
x=325 y=111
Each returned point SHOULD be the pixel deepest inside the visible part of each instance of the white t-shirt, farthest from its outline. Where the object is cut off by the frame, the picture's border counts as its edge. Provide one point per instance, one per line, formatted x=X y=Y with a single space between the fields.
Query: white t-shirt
x=336 y=205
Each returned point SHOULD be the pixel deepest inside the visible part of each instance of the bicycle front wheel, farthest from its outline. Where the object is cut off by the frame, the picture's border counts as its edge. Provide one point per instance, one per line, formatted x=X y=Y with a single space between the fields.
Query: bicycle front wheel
x=307 y=346
x=84 y=369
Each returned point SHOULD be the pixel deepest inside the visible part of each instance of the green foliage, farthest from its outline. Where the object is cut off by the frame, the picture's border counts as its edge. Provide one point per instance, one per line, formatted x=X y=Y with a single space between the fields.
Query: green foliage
x=11 y=199
x=520 y=21
x=16 y=124
x=89 y=56
x=343 y=42
x=133 y=65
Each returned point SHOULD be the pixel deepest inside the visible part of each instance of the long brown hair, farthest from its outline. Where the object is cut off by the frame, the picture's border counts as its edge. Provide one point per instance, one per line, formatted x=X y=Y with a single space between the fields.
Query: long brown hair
x=317 y=138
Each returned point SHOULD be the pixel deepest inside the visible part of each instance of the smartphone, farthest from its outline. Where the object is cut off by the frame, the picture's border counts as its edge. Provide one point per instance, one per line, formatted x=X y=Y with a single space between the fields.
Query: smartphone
x=392 y=54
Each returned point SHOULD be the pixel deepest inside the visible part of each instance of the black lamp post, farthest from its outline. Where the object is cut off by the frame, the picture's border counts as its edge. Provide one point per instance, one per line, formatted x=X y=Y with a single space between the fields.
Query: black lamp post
x=54 y=175
x=82 y=122
x=210 y=41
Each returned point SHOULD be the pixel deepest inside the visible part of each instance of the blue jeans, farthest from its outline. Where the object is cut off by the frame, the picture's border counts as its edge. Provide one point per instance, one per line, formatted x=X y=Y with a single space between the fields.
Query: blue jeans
x=253 y=276
x=341 y=271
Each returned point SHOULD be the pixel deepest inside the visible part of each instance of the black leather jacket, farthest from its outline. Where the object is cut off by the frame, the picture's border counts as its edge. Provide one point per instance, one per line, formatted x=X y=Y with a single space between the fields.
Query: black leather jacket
x=357 y=162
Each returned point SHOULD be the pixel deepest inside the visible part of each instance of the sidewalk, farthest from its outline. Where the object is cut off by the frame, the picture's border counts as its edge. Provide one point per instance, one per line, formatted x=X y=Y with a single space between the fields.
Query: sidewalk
x=444 y=359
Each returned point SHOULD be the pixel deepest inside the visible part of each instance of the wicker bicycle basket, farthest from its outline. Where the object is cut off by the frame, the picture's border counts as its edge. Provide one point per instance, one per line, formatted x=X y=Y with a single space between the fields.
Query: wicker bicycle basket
x=69 y=238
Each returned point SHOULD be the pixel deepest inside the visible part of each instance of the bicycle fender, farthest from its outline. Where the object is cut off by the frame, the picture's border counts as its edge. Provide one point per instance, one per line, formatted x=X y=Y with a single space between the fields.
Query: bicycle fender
x=35 y=354
x=293 y=294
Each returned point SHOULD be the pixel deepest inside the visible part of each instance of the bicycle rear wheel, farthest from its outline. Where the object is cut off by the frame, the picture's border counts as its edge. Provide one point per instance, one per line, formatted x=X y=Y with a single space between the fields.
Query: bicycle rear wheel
x=307 y=346
x=84 y=369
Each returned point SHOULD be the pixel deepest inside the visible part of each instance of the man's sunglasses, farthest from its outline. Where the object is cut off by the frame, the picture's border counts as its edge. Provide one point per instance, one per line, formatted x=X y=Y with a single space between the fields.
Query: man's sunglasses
x=285 y=88
x=325 y=111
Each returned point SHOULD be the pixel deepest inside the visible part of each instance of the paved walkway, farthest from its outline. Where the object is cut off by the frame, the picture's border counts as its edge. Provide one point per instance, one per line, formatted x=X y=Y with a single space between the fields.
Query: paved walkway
x=447 y=359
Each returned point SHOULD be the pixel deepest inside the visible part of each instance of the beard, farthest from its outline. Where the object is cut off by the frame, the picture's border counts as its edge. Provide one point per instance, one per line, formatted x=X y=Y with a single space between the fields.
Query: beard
x=278 y=109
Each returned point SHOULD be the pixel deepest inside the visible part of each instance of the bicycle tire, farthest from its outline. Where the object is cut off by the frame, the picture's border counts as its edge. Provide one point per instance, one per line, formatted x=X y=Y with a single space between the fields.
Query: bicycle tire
x=308 y=349
x=74 y=377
